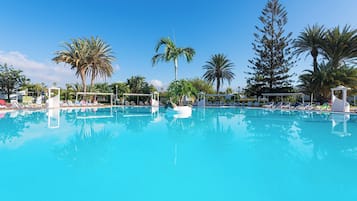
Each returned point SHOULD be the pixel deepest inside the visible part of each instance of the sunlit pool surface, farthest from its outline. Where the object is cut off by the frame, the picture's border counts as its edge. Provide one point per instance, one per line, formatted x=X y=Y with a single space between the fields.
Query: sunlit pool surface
x=218 y=154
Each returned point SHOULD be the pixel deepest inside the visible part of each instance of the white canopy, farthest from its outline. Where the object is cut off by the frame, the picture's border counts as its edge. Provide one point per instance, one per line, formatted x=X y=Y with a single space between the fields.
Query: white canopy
x=95 y=94
x=340 y=88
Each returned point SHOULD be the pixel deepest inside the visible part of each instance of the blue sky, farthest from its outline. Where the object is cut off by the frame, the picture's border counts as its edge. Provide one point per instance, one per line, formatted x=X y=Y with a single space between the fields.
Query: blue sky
x=32 y=30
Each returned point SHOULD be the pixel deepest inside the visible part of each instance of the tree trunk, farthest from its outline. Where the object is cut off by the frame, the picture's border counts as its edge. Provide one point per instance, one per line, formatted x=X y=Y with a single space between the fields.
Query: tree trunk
x=271 y=76
x=315 y=64
x=8 y=96
x=176 y=67
x=92 y=81
x=8 y=91
x=314 y=53
x=218 y=85
x=83 y=77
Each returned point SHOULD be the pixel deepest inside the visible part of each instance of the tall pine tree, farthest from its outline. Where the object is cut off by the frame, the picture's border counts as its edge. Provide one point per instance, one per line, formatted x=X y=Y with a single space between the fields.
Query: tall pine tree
x=273 y=53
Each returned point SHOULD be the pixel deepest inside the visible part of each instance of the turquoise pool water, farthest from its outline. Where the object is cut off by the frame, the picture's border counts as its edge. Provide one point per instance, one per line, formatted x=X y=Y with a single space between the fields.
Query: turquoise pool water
x=218 y=154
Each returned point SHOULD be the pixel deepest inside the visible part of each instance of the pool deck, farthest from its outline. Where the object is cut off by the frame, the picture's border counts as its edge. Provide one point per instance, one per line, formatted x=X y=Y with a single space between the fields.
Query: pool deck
x=4 y=110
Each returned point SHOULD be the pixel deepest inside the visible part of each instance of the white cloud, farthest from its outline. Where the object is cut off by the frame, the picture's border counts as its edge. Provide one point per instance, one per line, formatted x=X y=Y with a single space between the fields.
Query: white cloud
x=39 y=71
x=157 y=83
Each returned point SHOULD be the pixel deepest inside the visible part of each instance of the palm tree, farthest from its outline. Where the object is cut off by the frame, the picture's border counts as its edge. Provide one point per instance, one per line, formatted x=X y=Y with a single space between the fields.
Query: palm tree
x=310 y=40
x=202 y=85
x=75 y=54
x=102 y=87
x=171 y=53
x=218 y=69
x=119 y=88
x=340 y=46
x=38 y=88
x=99 y=58
x=326 y=77
x=229 y=90
x=76 y=87
x=69 y=91
x=317 y=82
x=136 y=84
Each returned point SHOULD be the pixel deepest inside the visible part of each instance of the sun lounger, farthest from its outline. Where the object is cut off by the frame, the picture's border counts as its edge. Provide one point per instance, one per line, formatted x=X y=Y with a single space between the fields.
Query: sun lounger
x=26 y=100
x=37 y=104
x=309 y=107
x=83 y=103
x=2 y=104
x=70 y=103
x=323 y=107
x=39 y=100
x=15 y=104
x=270 y=105
x=64 y=104
x=300 y=107
x=305 y=106
x=285 y=106
x=277 y=105
x=77 y=103
x=295 y=105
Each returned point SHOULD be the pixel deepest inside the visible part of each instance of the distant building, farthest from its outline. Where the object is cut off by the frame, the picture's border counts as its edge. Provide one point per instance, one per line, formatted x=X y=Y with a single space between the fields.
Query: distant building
x=14 y=96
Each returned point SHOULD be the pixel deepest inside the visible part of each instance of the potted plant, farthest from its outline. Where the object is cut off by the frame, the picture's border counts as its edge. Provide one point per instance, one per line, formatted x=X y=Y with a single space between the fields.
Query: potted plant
x=178 y=91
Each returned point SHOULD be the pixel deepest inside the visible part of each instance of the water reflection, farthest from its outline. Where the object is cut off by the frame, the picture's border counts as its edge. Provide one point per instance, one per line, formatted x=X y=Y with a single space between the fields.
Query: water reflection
x=339 y=124
x=53 y=118
x=88 y=147
x=95 y=130
x=300 y=135
x=138 y=118
x=215 y=127
x=11 y=127
x=233 y=147
x=14 y=124
x=179 y=126
x=219 y=125
x=272 y=133
x=91 y=138
x=204 y=121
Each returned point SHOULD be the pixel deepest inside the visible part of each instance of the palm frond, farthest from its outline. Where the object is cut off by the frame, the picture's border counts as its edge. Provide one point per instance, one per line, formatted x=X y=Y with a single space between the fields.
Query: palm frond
x=218 y=69
x=171 y=53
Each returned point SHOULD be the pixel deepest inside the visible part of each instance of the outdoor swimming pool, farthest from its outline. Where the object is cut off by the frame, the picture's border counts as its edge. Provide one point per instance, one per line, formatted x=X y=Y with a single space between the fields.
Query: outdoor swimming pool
x=219 y=154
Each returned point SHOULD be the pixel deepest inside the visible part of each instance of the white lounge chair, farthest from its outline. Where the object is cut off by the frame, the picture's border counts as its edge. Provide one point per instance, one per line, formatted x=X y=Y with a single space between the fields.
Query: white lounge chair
x=305 y=106
x=270 y=105
x=70 y=103
x=285 y=106
x=15 y=104
x=278 y=105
